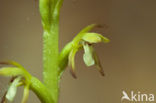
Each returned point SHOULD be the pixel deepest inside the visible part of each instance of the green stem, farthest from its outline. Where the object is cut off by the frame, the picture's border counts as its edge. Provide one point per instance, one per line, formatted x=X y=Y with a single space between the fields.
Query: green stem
x=41 y=91
x=50 y=59
x=50 y=10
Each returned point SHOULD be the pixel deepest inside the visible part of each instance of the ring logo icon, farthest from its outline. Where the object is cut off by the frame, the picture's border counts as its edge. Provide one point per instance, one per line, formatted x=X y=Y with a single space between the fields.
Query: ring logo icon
x=137 y=97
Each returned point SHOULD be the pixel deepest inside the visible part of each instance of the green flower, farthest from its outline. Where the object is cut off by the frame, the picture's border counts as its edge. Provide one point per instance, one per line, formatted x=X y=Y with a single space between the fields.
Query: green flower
x=20 y=77
x=85 y=40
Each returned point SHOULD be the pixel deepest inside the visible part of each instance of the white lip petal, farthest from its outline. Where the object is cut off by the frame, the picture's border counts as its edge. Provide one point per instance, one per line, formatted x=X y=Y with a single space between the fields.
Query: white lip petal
x=13 y=89
x=88 y=56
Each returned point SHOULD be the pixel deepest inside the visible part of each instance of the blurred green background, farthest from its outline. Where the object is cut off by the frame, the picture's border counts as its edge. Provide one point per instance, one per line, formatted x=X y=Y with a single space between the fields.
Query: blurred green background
x=128 y=60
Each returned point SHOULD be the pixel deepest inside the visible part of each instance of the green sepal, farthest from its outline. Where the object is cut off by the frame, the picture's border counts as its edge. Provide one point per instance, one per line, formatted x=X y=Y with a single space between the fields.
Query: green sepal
x=26 y=93
x=98 y=64
x=72 y=61
x=79 y=36
x=16 y=70
x=12 y=71
x=94 y=38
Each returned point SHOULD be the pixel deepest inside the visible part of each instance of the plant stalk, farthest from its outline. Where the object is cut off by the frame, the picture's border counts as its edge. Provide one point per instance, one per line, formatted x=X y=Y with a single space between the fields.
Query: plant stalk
x=41 y=91
x=50 y=10
x=50 y=61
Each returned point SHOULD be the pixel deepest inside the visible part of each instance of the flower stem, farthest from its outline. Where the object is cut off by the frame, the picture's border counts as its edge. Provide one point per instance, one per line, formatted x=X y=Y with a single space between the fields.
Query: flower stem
x=41 y=91
x=50 y=10
x=50 y=60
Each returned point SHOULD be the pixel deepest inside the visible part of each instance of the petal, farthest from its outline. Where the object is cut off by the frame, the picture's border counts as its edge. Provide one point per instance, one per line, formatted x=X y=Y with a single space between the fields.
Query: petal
x=13 y=63
x=98 y=64
x=13 y=89
x=88 y=55
x=79 y=36
x=11 y=71
x=3 y=99
x=88 y=28
x=94 y=38
x=104 y=39
x=72 y=61
x=14 y=71
x=25 y=94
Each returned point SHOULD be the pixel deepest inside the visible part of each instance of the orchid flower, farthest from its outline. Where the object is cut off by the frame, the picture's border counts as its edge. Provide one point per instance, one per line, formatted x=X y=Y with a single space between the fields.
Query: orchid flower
x=84 y=40
x=20 y=77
